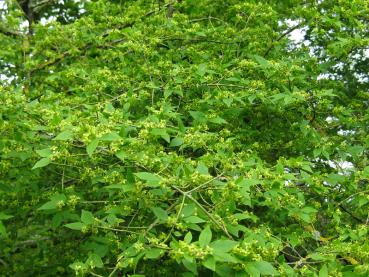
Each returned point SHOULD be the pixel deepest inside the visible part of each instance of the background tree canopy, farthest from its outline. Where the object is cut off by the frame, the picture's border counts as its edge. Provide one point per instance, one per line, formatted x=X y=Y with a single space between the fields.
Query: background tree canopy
x=184 y=138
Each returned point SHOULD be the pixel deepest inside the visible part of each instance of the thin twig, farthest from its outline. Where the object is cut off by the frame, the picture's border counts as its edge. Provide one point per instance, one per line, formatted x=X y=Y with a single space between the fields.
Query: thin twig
x=152 y=225
x=204 y=184
x=117 y=230
x=95 y=274
x=177 y=218
x=189 y=196
x=63 y=174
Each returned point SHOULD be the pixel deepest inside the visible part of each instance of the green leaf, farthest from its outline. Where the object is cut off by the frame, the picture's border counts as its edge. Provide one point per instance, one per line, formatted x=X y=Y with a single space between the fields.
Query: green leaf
x=205 y=236
x=58 y=197
x=109 y=108
x=167 y=93
x=223 y=245
x=317 y=152
x=160 y=213
x=188 y=210
x=194 y=226
x=121 y=155
x=366 y=172
x=323 y=272
x=210 y=263
x=87 y=217
x=218 y=120
x=201 y=69
x=190 y=265
x=57 y=220
x=77 y=266
x=123 y=187
x=44 y=153
x=224 y=257
x=49 y=206
x=188 y=238
x=261 y=61
x=203 y=169
x=66 y=135
x=151 y=179
x=309 y=210
x=2 y=229
x=305 y=217
x=176 y=142
x=224 y=270
x=91 y=147
x=193 y=219
x=153 y=253
x=317 y=256
x=54 y=202
x=265 y=268
x=198 y=116
x=4 y=216
x=41 y=163
x=75 y=225
x=94 y=260
x=252 y=270
x=162 y=133
x=113 y=136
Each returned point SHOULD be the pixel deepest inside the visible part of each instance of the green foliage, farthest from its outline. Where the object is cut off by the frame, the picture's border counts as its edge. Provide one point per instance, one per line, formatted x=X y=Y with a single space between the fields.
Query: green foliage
x=184 y=138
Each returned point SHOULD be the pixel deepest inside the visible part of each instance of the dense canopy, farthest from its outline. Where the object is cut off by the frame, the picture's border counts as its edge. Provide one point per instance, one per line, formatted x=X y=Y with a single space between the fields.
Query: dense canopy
x=184 y=138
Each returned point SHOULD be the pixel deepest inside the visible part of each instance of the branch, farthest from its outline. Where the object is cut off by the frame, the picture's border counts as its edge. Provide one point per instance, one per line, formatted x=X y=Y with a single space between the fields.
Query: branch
x=226 y=85
x=352 y=195
x=211 y=217
x=89 y=45
x=39 y=5
x=351 y=214
x=281 y=37
x=9 y=33
x=201 y=39
x=204 y=184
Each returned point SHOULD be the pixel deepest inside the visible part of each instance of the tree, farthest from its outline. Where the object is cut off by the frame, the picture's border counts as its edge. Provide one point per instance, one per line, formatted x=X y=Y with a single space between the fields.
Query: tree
x=181 y=138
